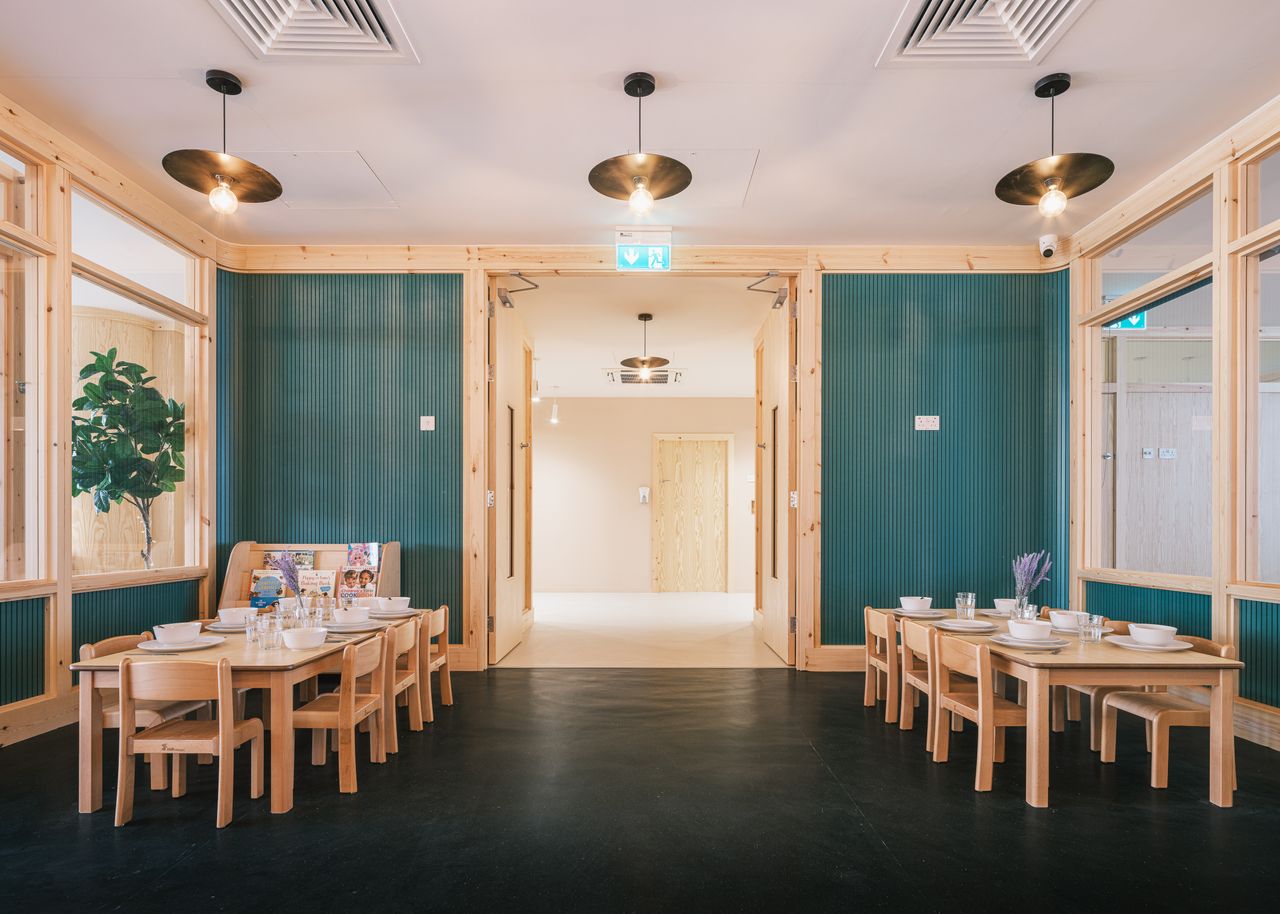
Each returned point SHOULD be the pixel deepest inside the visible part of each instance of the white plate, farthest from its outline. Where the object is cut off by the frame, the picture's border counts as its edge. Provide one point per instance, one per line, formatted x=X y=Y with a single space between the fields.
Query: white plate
x=994 y=613
x=974 y=626
x=1046 y=644
x=1129 y=643
x=224 y=628
x=1075 y=631
x=393 y=614
x=198 y=644
x=920 y=613
x=349 y=627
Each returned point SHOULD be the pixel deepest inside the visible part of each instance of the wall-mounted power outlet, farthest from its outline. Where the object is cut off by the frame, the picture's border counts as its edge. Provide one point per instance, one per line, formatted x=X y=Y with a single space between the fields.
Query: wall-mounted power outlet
x=928 y=423
x=426 y=423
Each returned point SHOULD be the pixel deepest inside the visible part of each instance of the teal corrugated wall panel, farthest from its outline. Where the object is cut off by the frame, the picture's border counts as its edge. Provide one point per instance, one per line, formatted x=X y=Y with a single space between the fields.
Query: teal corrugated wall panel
x=1260 y=651
x=907 y=512
x=1191 y=612
x=21 y=649
x=321 y=380
x=98 y=614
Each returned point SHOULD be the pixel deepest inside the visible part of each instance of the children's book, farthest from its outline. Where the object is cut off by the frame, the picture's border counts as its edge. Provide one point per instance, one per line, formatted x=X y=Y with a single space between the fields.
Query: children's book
x=357 y=581
x=303 y=558
x=364 y=555
x=266 y=588
x=316 y=583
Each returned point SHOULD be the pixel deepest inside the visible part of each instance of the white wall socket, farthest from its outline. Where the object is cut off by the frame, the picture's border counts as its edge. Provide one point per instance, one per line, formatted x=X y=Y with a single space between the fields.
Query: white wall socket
x=927 y=424
x=426 y=423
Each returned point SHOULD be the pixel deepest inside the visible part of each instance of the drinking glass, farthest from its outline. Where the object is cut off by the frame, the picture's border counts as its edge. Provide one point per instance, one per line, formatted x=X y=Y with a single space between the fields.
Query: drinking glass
x=966 y=605
x=251 y=630
x=270 y=628
x=1091 y=629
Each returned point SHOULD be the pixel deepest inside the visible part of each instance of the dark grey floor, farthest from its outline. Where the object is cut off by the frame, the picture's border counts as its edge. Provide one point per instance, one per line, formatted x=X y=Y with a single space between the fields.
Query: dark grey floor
x=657 y=790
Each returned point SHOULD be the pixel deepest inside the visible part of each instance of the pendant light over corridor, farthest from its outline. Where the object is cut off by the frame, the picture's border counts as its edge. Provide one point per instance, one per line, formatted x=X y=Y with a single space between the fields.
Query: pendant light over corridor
x=640 y=177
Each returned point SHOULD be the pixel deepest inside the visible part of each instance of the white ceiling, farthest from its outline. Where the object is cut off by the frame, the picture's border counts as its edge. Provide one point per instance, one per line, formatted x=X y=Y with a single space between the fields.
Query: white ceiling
x=793 y=135
x=581 y=325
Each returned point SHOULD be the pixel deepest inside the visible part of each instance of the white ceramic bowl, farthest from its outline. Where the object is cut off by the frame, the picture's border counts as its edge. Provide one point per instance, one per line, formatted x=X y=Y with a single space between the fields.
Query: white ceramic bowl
x=177 y=632
x=395 y=604
x=915 y=604
x=353 y=614
x=1005 y=606
x=1148 y=633
x=369 y=602
x=235 y=616
x=1063 y=618
x=1030 y=629
x=301 y=639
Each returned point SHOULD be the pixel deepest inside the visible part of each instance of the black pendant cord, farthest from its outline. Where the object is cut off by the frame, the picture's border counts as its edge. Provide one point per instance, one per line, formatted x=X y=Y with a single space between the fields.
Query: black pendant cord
x=640 y=125
x=646 y=340
x=224 y=123
x=1053 y=124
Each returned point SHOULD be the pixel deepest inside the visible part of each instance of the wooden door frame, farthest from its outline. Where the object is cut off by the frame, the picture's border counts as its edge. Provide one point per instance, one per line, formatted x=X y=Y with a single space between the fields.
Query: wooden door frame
x=479 y=523
x=727 y=438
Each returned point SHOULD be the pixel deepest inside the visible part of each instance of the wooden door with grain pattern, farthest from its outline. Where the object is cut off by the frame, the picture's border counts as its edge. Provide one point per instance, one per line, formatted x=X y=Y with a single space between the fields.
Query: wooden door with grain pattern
x=690 y=537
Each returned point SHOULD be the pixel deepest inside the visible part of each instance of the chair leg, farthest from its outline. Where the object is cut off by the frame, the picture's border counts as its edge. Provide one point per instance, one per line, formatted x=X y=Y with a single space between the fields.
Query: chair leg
x=257 y=757
x=1148 y=728
x=1073 y=705
x=204 y=713
x=999 y=750
x=986 y=756
x=446 y=685
x=1022 y=693
x=179 y=774
x=226 y=783
x=377 y=737
x=931 y=723
x=428 y=706
x=241 y=697
x=957 y=723
x=1095 y=721
x=402 y=700
x=158 y=762
x=124 y=787
x=942 y=737
x=414 y=693
x=333 y=740
x=1107 y=740
x=907 y=708
x=346 y=759
x=1058 y=715
x=1160 y=755
x=391 y=726
x=891 y=690
x=319 y=748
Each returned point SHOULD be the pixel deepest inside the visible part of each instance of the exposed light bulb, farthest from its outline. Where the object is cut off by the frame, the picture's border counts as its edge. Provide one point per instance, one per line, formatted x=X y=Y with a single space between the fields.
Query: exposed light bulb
x=223 y=199
x=644 y=373
x=555 y=413
x=1054 y=201
x=641 y=200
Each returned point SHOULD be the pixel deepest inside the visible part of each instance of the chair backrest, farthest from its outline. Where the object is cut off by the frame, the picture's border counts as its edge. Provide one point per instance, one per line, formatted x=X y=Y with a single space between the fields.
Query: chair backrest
x=171 y=680
x=916 y=640
x=115 y=645
x=1205 y=646
x=879 y=624
x=955 y=655
x=439 y=624
x=368 y=658
x=406 y=637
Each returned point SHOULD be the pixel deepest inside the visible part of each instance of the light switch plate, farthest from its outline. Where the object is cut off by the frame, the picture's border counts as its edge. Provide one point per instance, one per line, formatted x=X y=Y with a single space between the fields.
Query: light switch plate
x=1148 y=453
x=1168 y=453
x=928 y=423
x=426 y=423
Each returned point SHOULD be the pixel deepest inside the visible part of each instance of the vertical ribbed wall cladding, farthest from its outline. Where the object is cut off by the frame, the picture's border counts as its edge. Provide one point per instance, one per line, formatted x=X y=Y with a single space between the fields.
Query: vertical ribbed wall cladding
x=98 y=614
x=1192 y=613
x=21 y=649
x=907 y=512
x=1260 y=651
x=321 y=380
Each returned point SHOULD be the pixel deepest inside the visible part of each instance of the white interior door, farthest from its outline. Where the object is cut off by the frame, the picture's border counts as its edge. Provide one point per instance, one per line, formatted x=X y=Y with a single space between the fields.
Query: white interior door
x=508 y=480
x=776 y=405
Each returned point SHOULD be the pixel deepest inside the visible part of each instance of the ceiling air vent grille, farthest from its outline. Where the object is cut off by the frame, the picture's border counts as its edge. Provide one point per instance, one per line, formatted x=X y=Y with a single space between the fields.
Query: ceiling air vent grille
x=366 y=29
x=955 y=32
x=632 y=376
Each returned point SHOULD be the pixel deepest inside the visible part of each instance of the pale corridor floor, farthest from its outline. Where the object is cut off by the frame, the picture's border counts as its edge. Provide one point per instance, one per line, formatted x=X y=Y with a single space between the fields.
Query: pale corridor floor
x=642 y=630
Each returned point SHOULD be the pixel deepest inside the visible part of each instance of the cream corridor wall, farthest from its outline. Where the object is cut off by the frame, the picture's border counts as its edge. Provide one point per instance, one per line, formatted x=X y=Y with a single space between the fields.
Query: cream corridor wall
x=590 y=532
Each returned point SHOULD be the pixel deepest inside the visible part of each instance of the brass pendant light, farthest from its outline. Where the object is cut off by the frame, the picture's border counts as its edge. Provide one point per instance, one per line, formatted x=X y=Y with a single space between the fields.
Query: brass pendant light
x=646 y=363
x=1051 y=181
x=640 y=177
x=228 y=180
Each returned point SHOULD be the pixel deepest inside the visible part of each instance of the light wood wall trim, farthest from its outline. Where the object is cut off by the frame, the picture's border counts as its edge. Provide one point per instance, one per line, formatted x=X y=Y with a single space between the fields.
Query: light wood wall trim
x=1246 y=590
x=475 y=371
x=25 y=719
x=1147 y=293
x=809 y=466
x=1258 y=723
x=1181 y=582
x=82 y=583
x=58 y=410
x=837 y=658
x=20 y=238
x=1257 y=241
x=1017 y=258
x=26 y=590
x=51 y=147
x=113 y=281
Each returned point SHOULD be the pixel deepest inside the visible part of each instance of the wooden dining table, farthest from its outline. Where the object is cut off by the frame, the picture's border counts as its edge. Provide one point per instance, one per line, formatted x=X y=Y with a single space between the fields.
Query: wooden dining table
x=274 y=671
x=1104 y=663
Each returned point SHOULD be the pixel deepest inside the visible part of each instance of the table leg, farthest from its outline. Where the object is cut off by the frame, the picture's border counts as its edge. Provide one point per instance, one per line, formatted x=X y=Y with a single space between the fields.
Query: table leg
x=1222 y=739
x=1038 y=738
x=282 y=738
x=90 y=745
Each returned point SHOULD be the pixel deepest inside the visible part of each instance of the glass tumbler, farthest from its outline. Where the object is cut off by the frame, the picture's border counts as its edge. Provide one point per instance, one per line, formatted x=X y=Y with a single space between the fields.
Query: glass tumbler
x=1091 y=629
x=966 y=605
x=270 y=631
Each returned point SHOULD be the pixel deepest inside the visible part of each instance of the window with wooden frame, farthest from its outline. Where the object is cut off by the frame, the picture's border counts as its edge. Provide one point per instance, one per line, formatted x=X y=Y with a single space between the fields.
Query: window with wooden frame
x=22 y=412
x=19 y=190
x=1182 y=237
x=1263 y=196
x=1262 y=416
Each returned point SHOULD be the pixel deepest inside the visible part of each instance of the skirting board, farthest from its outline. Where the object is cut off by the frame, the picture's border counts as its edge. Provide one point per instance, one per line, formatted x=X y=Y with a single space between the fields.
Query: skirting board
x=37 y=715
x=835 y=658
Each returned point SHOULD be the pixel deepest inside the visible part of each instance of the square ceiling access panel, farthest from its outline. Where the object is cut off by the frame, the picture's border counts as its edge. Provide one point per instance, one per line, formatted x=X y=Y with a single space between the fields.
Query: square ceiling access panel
x=367 y=30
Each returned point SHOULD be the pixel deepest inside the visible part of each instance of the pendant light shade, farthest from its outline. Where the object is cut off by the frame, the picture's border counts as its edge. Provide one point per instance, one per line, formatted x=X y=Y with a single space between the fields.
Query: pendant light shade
x=646 y=363
x=228 y=180
x=1048 y=183
x=640 y=177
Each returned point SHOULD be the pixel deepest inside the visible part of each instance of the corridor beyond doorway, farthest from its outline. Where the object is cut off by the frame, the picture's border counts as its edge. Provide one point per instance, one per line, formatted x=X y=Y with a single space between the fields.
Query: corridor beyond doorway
x=598 y=630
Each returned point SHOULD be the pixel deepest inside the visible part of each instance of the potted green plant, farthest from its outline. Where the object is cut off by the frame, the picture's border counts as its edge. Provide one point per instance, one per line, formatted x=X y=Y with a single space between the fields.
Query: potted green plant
x=126 y=439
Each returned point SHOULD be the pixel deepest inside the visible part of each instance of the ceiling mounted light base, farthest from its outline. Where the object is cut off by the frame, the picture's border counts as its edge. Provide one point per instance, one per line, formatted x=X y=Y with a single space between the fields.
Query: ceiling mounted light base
x=621 y=176
x=1069 y=174
x=205 y=170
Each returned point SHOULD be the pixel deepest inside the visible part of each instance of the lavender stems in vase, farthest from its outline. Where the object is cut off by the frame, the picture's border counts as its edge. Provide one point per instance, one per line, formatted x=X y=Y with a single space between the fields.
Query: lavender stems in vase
x=288 y=568
x=1030 y=570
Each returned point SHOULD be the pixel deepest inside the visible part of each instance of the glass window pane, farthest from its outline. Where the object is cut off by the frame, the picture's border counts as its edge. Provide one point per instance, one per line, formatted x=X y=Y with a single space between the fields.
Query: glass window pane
x=17 y=191
x=1267 y=433
x=1268 y=178
x=114 y=242
x=21 y=509
x=1174 y=241
x=1155 y=423
x=131 y=464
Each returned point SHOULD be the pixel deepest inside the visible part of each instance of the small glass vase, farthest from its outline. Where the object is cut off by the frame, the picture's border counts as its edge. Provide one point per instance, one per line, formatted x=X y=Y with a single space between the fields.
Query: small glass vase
x=1022 y=609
